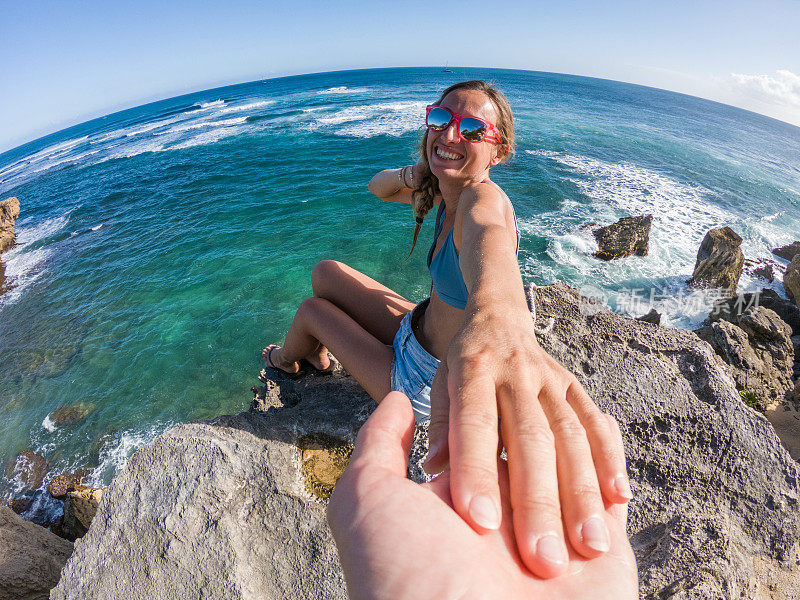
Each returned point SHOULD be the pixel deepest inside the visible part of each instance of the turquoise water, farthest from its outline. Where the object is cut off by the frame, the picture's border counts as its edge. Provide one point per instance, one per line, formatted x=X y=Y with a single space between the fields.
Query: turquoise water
x=160 y=248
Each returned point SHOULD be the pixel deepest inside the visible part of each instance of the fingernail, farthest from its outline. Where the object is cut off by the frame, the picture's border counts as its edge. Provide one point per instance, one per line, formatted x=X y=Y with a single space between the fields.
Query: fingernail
x=595 y=534
x=623 y=486
x=551 y=549
x=484 y=512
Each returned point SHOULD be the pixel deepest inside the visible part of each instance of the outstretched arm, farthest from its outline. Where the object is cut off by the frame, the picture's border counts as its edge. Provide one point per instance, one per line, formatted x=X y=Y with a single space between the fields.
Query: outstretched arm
x=398 y=540
x=496 y=377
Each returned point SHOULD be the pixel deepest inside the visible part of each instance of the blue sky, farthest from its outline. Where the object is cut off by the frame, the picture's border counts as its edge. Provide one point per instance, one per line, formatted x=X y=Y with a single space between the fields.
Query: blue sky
x=63 y=62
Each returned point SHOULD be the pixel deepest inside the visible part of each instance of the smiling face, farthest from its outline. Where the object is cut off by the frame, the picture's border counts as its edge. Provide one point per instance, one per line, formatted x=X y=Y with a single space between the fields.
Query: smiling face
x=451 y=157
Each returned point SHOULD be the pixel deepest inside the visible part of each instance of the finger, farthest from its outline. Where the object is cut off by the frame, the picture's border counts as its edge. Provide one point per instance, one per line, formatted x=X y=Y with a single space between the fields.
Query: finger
x=581 y=500
x=533 y=481
x=385 y=439
x=473 y=441
x=607 y=449
x=438 y=454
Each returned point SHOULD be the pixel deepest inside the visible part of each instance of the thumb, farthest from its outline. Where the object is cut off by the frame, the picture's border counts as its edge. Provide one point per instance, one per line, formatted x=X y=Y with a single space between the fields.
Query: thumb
x=385 y=439
x=438 y=428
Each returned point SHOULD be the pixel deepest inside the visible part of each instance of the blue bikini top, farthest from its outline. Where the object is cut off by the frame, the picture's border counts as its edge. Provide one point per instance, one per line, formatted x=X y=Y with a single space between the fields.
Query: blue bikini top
x=446 y=275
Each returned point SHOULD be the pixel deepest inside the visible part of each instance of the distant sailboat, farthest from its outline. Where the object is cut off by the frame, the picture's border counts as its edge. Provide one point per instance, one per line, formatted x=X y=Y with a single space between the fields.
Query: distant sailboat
x=446 y=70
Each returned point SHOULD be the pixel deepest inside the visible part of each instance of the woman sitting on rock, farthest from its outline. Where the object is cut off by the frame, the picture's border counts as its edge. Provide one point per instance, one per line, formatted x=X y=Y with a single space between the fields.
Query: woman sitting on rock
x=468 y=354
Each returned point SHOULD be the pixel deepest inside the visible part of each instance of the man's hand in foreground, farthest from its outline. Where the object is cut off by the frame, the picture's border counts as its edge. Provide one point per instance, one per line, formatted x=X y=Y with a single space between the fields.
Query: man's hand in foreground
x=398 y=539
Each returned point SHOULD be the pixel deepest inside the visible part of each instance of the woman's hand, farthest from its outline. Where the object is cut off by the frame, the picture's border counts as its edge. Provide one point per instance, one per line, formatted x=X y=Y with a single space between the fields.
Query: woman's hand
x=496 y=385
x=563 y=457
x=398 y=540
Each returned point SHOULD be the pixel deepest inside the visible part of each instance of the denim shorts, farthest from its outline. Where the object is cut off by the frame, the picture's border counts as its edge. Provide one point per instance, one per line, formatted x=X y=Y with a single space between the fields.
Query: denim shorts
x=413 y=368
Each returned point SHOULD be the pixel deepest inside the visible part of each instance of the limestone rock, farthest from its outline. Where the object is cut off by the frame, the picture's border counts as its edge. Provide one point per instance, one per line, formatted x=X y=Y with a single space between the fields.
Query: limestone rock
x=629 y=235
x=731 y=308
x=786 y=421
x=788 y=252
x=222 y=510
x=791 y=280
x=29 y=469
x=9 y=211
x=31 y=558
x=80 y=507
x=757 y=347
x=712 y=483
x=719 y=260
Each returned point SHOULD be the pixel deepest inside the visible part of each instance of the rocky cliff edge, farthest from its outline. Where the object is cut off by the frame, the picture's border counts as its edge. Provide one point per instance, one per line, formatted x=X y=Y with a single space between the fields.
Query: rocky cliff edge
x=233 y=508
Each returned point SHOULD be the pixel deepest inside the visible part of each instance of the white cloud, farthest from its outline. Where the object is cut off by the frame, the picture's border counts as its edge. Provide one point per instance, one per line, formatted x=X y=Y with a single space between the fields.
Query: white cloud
x=782 y=89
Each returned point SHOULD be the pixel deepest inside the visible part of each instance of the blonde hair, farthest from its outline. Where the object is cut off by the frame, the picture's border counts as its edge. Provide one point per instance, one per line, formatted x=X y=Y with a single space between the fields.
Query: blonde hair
x=422 y=197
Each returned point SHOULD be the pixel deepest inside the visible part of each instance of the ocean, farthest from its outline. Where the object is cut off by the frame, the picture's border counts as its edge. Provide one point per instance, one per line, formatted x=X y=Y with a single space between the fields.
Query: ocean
x=161 y=248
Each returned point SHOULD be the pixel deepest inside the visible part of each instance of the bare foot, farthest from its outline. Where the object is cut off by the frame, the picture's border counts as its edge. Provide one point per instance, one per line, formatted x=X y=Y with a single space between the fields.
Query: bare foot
x=320 y=359
x=273 y=356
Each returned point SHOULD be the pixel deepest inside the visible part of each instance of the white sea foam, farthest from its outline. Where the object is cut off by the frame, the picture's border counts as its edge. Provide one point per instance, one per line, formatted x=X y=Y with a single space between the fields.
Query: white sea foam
x=249 y=106
x=68 y=160
x=115 y=454
x=212 y=104
x=138 y=130
x=205 y=124
x=41 y=160
x=343 y=89
x=208 y=137
x=28 y=234
x=134 y=149
x=22 y=269
x=48 y=424
x=96 y=227
x=773 y=216
x=127 y=142
x=682 y=214
x=391 y=118
x=24 y=266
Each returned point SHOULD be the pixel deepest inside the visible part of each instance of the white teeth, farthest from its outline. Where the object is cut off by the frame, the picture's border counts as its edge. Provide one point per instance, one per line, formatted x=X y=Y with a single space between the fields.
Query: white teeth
x=445 y=154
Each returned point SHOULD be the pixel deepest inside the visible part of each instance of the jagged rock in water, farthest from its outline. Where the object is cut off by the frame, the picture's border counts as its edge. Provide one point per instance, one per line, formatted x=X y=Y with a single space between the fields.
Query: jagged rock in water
x=223 y=510
x=765 y=272
x=80 y=508
x=788 y=252
x=653 y=317
x=719 y=260
x=31 y=558
x=9 y=211
x=72 y=414
x=629 y=235
x=791 y=280
x=29 y=469
x=21 y=504
x=757 y=348
x=63 y=484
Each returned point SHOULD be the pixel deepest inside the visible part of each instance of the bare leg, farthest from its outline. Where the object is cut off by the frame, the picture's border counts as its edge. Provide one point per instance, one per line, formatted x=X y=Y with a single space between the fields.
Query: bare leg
x=319 y=321
x=372 y=305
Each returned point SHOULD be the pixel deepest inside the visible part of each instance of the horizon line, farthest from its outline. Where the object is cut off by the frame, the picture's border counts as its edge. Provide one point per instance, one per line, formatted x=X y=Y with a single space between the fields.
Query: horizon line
x=141 y=102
